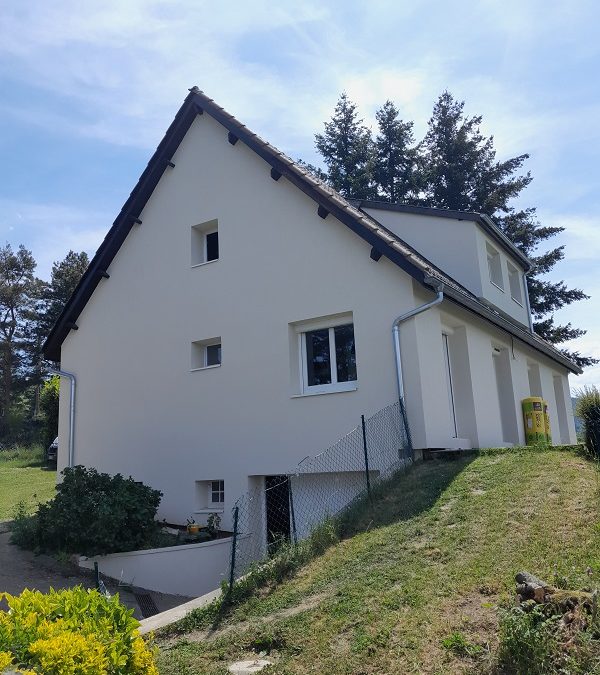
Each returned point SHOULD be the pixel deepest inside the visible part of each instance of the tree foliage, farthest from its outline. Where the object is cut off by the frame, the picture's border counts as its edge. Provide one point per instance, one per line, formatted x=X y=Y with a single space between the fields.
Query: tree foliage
x=454 y=167
x=29 y=307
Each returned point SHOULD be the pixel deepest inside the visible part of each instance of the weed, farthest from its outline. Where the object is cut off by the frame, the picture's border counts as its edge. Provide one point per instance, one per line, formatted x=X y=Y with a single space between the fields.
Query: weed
x=458 y=644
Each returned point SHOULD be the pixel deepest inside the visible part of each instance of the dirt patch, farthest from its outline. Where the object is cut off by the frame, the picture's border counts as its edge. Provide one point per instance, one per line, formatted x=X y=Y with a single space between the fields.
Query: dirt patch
x=209 y=634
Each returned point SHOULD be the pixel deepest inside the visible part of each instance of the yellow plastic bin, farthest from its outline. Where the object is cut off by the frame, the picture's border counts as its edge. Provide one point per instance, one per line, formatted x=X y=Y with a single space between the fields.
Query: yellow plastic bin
x=533 y=419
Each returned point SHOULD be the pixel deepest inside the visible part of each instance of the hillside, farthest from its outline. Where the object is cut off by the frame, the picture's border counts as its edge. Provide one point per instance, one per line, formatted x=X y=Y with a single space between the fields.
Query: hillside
x=431 y=560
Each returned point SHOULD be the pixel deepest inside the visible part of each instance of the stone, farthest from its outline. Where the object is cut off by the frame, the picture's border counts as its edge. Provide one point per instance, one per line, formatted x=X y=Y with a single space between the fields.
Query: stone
x=250 y=666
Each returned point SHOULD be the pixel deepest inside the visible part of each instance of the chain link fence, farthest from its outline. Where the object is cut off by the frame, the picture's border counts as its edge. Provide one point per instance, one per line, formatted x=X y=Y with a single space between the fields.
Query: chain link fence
x=288 y=507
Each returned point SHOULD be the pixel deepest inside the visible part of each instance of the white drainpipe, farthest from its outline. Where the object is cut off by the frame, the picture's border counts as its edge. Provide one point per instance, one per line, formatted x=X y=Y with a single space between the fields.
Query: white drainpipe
x=407 y=315
x=71 y=377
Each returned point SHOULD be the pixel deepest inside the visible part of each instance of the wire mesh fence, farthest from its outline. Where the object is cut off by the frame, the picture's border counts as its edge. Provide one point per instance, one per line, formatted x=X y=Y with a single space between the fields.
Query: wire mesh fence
x=288 y=507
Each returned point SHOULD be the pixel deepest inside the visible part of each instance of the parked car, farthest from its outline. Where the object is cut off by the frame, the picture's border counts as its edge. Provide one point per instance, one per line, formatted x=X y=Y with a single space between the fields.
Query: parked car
x=52 y=452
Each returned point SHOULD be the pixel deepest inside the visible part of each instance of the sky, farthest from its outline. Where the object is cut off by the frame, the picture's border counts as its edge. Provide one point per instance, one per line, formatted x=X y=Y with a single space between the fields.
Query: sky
x=89 y=88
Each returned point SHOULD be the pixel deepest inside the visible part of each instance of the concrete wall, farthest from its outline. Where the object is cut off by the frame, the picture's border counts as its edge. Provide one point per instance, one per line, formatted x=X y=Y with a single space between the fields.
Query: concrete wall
x=142 y=409
x=192 y=569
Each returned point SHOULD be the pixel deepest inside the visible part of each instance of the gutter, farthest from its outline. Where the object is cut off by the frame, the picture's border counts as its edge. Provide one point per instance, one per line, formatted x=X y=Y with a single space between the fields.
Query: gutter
x=439 y=287
x=71 y=378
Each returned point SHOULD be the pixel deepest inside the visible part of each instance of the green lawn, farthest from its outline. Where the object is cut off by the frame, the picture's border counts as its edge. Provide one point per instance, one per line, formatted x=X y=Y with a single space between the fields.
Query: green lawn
x=23 y=478
x=432 y=559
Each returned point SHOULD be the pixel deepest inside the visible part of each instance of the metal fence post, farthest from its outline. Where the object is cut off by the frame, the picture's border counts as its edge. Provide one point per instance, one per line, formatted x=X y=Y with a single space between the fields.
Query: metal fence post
x=364 y=433
x=236 y=511
x=292 y=514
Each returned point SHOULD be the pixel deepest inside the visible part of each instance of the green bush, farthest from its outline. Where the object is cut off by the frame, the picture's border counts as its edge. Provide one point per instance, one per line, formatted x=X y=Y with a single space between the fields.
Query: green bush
x=72 y=631
x=528 y=645
x=588 y=408
x=92 y=514
x=49 y=406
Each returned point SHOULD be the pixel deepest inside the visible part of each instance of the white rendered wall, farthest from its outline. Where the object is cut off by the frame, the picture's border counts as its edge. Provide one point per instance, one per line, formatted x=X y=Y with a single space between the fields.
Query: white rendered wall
x=448 y=243
x=140 y=410
x=191 y=570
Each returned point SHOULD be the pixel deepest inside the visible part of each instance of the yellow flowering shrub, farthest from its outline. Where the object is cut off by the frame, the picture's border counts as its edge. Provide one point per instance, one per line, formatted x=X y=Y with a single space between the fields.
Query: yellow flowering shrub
x=72 y=632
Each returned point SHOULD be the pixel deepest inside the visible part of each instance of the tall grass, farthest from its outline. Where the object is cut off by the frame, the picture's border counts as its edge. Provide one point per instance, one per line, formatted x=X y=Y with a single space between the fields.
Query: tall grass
x=20 y=456
x=588 y=408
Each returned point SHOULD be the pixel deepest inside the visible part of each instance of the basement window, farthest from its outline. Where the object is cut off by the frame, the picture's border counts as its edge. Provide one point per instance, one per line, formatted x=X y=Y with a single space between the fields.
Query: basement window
x=494 y=266
x=217 y=491
x=205 y=243
x=206 y=354
x=514 y=282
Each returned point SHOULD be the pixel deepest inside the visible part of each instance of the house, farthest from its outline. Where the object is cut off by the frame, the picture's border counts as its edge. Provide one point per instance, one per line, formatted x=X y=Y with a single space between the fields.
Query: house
x=241 y=315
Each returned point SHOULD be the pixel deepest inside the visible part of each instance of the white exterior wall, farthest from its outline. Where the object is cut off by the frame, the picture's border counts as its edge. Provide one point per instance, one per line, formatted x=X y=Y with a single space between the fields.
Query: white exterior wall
x=141 y=411
x=450 y=244
x=459 y=248
x=492 y=293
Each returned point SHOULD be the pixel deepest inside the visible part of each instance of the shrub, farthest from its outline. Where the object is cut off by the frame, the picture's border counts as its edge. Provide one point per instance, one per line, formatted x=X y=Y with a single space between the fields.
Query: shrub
x=49 y=397
x=528 y=645
x=92 y=514
x=588 y=408
x=72 y=631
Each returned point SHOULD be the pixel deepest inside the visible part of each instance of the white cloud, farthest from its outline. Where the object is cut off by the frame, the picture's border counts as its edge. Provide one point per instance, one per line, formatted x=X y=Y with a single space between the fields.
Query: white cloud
x=51 y=230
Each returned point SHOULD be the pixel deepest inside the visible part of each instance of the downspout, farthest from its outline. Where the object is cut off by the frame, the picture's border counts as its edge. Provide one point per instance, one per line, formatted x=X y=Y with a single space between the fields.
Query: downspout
x=71 y=377
x=439 y=287
x=527 y=305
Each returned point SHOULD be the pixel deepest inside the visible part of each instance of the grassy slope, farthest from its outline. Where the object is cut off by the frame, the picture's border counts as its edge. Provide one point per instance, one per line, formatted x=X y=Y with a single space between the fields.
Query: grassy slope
x=436 y=556
x=23 y=478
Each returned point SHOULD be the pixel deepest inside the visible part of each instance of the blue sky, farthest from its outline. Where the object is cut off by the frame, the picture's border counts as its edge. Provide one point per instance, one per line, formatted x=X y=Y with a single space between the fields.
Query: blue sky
x=88 y=89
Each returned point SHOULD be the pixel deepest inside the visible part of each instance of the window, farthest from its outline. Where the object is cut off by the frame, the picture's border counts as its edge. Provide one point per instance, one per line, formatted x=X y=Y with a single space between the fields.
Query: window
x=328 y=359
x=514 y=282
x=206 y=353
x=217 y=491
x=494 y=267
x=205 y=243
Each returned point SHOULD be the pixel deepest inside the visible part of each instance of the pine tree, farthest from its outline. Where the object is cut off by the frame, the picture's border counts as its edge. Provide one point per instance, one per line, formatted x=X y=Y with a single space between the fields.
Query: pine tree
x=395 y=171
x=347 y=150
x=65 y=276
x=461 y=173
x=454 y=167
x=18 y=290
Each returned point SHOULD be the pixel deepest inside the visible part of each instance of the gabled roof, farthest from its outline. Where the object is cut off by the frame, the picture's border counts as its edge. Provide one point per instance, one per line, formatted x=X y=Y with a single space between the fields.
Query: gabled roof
x=383 y=241
x=481 y=219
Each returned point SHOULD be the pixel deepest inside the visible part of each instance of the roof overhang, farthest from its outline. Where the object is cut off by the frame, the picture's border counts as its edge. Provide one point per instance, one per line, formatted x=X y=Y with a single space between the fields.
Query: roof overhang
x=484 y=221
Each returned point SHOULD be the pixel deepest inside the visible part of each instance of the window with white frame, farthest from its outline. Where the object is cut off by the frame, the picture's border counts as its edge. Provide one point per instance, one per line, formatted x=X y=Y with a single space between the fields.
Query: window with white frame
x=217 y=492
x=514 y=282
x=494 y=266
x=328 y=358
x=205 y=243
x=206 y=353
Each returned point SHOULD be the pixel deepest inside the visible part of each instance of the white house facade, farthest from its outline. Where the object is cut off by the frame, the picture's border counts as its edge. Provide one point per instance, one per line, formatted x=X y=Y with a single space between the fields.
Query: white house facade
x=238 y=317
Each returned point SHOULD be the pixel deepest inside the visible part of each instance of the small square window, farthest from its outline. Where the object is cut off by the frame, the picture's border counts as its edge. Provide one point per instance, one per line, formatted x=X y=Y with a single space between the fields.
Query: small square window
x=205 y=243
x=494 y=267
x=206 y=353
x=217 y=492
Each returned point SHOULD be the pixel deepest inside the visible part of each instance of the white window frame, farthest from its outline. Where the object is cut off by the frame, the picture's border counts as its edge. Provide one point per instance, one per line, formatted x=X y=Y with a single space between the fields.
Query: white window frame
x=213 y=231
x=199 y=244
x=202 y=345
x=334 y=386
x=220 y=492
x=494 y=260
x=513 y=273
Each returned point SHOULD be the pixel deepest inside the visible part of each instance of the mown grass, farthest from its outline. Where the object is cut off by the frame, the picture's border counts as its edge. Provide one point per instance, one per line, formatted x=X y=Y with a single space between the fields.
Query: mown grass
x=23 y=478
x=416 y=589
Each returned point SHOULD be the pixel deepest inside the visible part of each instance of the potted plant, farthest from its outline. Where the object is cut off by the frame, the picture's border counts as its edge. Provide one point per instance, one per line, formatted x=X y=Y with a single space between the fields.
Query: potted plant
x=192 y=526
x=212 y=524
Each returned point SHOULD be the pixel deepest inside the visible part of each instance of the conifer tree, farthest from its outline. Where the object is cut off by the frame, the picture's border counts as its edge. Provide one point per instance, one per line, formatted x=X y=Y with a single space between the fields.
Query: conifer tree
x=395 y=171
x=346 y=147
x=461 y=173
